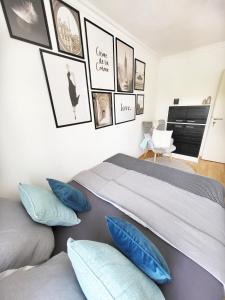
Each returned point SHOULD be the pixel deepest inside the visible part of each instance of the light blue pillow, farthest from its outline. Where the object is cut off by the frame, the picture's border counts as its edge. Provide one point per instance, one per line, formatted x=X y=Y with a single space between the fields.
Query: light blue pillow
x=44 y=207
x=69 y=195
x=106 y=274
x=139 y=249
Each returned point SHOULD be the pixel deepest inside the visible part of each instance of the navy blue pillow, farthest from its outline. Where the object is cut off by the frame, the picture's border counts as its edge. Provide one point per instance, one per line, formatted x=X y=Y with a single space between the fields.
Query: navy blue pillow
x=69 y=196
x=139 y=249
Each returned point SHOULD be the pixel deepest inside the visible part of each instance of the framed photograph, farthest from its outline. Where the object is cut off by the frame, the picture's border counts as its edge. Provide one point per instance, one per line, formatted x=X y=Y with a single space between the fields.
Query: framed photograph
x=124 y=107
x=67 y=28
x=139 y=79
x=100 y=46
x=140 y=104
x=125 y=66
x=26 y=21
x=68 y=88
x=102 y=106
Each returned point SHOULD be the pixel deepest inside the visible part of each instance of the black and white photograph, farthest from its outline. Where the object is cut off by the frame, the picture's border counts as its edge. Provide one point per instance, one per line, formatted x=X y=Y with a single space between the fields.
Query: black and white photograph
x=139 y=78
x=26 y=21
x=140 y=104
x=68 y=88
x=100 y=46
x=124 y=107
x=102 y=106
x=67 y=28
x=125 y=66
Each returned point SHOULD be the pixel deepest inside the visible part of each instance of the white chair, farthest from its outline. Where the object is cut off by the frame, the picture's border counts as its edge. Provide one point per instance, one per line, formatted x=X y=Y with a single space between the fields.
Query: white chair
x=160 y=142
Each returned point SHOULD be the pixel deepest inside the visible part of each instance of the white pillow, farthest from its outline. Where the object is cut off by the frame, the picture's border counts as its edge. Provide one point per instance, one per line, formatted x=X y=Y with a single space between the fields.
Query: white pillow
x=161 y=138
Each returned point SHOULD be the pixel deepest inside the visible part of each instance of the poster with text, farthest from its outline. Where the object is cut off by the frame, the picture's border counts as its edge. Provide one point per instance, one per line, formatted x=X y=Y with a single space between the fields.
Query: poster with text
x=100 y=46
x=124 y=108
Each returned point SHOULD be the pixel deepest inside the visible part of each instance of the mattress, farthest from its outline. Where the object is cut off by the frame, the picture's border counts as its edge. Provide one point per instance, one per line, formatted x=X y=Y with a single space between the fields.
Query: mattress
x=190 y=281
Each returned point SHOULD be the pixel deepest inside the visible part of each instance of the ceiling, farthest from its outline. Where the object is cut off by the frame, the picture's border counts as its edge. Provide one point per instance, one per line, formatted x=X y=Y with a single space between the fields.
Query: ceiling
x=168 y=26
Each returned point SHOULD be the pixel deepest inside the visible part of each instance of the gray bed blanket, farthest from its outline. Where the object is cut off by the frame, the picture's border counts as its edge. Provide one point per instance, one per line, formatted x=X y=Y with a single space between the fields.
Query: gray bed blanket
x=191 y=223
x=200 y=185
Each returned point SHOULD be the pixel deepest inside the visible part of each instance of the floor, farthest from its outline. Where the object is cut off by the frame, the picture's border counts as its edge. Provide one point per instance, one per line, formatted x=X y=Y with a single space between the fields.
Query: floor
x=203 y=167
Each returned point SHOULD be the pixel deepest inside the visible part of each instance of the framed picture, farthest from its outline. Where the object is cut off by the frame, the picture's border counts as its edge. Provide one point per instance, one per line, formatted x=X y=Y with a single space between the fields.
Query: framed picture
x=100 y=46
x=26 y=21
x=124 y=107
x=102 y=106
x=125 y=66
x=139 y=79
x=68 y=88
x=140 y=104
x=67 y=28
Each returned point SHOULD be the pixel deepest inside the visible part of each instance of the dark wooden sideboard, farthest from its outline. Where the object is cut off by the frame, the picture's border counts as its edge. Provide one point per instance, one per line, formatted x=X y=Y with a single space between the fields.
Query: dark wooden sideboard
x=188 y=125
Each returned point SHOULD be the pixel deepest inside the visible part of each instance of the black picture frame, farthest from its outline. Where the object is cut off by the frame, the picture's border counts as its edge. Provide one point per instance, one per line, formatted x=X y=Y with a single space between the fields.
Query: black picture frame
x=131 y=88
x=42 y=51
x=115 y=111
x=16 y=16
x=76 y=16
x=95 y=110
x=99 y=88
x=140 y=111
x=136 y=87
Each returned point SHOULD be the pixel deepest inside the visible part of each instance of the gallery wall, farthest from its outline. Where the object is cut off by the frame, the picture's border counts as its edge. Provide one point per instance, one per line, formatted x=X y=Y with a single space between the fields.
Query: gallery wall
x=31 y=147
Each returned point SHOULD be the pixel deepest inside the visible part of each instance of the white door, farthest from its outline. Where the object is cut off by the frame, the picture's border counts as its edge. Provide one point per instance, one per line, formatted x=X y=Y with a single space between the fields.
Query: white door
x=214 y=148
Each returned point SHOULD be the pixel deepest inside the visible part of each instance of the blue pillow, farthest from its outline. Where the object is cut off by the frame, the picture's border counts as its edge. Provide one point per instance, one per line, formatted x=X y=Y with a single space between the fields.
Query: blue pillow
x=45 y=208
x=69 y=196
x=105 y=273
x=139 y=249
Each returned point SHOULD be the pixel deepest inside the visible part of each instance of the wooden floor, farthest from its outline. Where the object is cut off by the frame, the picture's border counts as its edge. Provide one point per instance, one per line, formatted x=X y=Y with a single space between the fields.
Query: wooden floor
x=203 y=167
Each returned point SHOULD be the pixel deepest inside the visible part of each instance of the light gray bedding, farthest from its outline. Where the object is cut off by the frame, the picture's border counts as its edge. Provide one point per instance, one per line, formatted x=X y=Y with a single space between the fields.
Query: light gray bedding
x=196 y=184
x=53 y=280
x=165 y=209
x=22 y=241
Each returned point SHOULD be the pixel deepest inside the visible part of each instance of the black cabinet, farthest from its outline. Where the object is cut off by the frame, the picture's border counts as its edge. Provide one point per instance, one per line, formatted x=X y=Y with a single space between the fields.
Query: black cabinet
x=188 y=114
x=187 y=134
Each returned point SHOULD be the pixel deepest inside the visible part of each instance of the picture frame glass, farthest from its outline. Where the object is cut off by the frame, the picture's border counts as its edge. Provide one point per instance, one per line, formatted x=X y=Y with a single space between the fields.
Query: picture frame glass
x=102 y=107
x=124 y=108
x=26 y=21
x=125 y=66
x=100 y=46
x=139 y=81
x=67 y=83
x=140 y=105
x=68 y=28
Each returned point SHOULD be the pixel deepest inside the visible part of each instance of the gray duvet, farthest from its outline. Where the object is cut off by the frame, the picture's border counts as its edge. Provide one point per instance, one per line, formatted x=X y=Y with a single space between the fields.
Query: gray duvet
x=189 y=221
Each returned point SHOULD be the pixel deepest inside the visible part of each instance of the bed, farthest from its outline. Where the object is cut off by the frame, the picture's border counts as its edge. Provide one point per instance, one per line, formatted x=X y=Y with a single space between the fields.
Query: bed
x=190 y=280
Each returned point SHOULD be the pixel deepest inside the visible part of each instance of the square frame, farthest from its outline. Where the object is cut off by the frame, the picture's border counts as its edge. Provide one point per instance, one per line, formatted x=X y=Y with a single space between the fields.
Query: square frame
x=103 y=58
x=42 y=51
x=126 y=108
x=76 y=15
x=95 y=109
x=30 y=41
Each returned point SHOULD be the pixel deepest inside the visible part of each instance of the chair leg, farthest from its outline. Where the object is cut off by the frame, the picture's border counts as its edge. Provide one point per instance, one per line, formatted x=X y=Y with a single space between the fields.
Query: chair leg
x=155 y=154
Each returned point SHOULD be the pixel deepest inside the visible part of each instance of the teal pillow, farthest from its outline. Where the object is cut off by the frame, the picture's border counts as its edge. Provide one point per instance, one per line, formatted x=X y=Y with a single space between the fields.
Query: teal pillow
x=44 y=207
x=104 y=273
x=139 y=249
x=69 y=196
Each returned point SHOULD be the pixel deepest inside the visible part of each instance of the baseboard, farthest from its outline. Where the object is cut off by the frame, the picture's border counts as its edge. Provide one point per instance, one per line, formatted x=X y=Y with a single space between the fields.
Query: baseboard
x=184 y=157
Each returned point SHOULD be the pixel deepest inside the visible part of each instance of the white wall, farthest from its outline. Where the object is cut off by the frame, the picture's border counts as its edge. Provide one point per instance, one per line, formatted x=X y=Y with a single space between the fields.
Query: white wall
x=31 y=148
x=190 y=76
